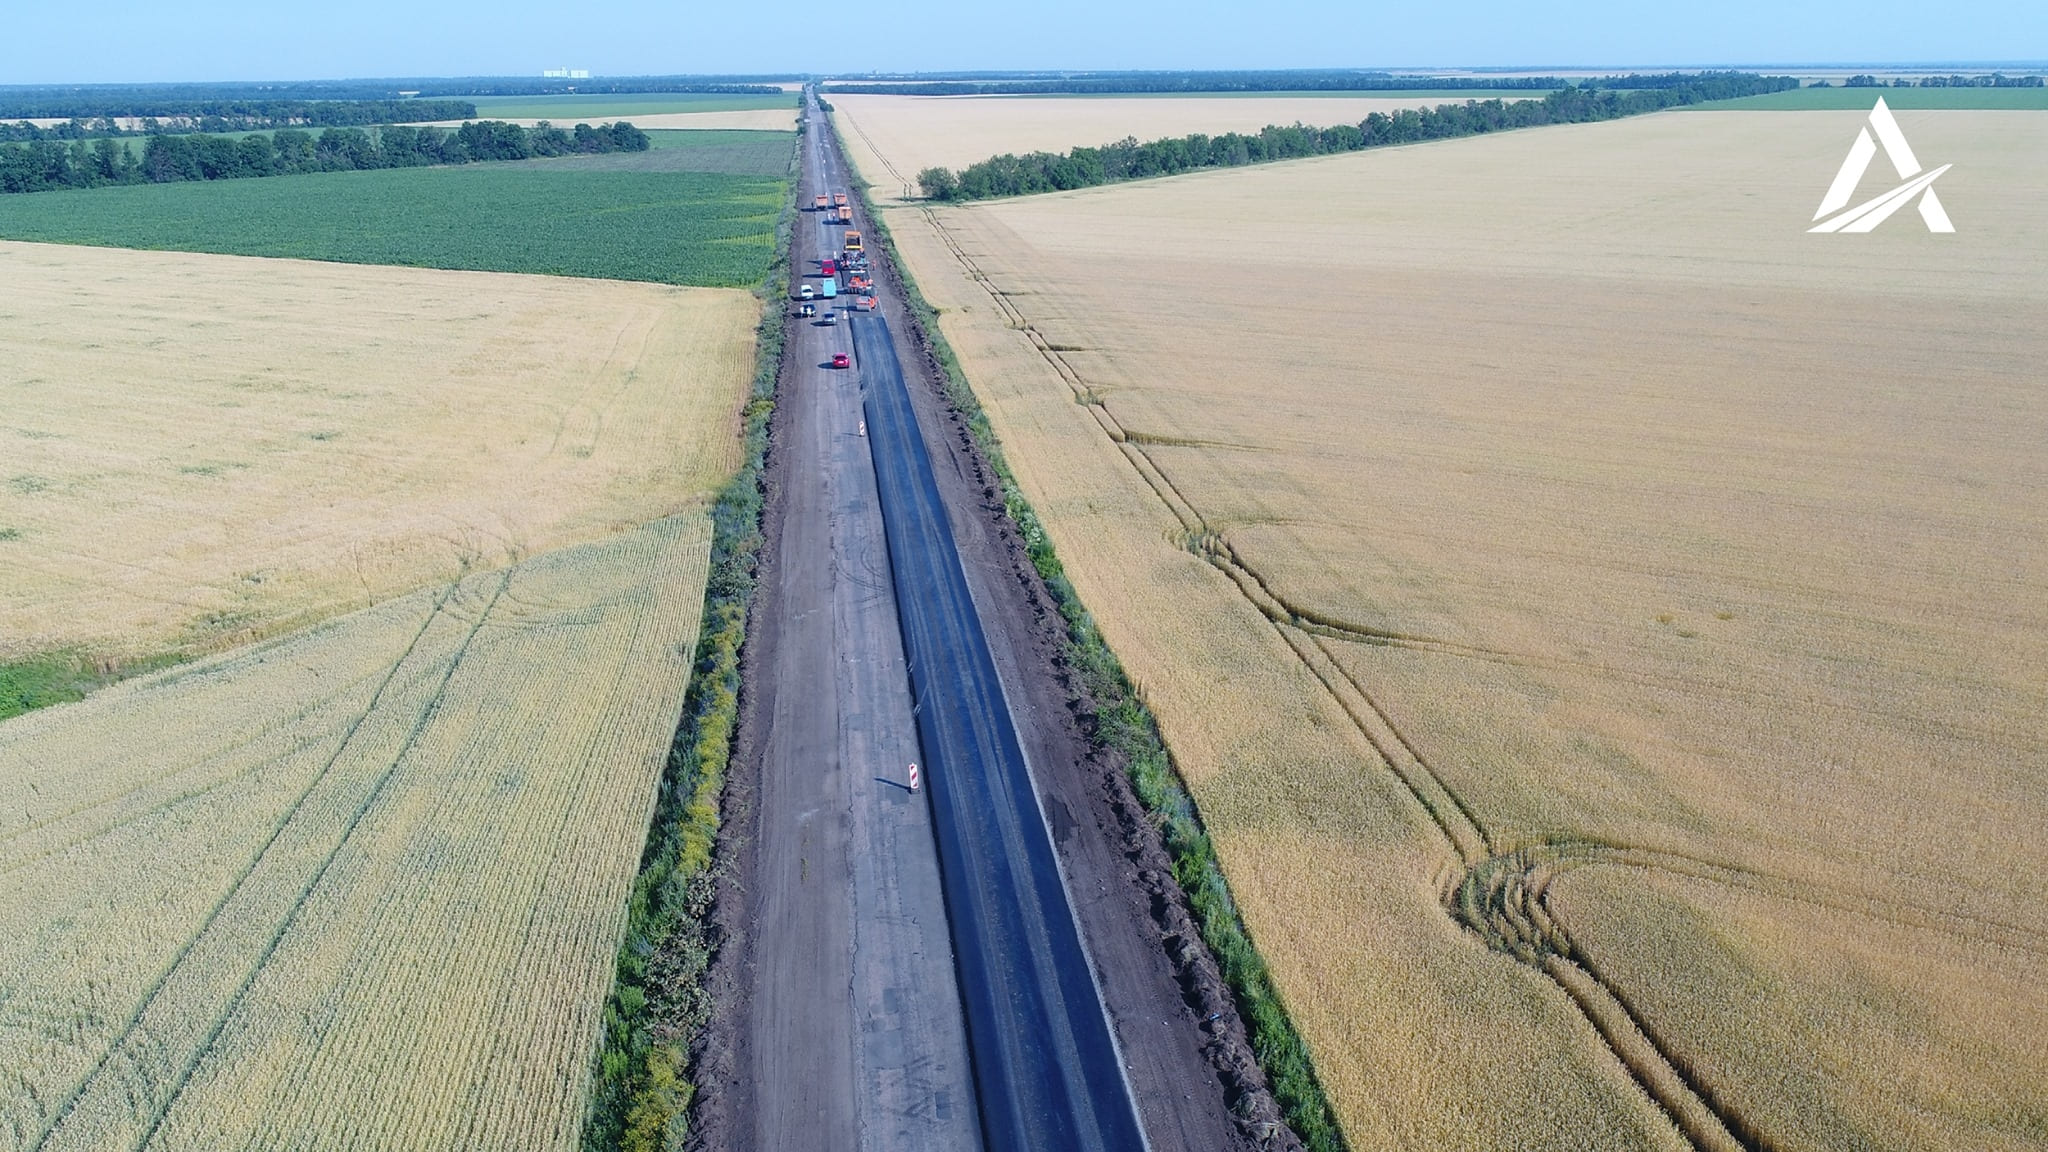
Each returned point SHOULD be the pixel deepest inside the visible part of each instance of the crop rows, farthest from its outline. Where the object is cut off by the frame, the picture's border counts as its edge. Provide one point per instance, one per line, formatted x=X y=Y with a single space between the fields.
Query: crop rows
x=361 y=888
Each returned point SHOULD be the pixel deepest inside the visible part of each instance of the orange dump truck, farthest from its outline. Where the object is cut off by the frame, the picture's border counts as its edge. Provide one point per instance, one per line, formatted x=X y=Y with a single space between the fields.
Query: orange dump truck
x=839 y=199
x=846 y=213
x=852 y=241
x=821 y=202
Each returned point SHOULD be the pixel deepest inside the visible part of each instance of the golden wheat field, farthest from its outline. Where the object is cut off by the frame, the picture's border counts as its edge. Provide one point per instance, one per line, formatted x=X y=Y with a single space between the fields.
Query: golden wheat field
x=1603 y=625
x=361 y=887
x=197 y=451
x=892 y=138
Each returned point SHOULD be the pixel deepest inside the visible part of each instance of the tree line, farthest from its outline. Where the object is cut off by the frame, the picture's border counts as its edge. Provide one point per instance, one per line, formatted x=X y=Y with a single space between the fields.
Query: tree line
x=1995 y=80
x=50 y=165
x=1192 y=82
x=98 y=117
x=1308 y=81
x=1128 y=159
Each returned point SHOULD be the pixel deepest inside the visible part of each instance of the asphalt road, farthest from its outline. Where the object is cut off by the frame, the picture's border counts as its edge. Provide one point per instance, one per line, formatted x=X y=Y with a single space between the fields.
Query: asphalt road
x=1046 y=1068
x=854 y=1033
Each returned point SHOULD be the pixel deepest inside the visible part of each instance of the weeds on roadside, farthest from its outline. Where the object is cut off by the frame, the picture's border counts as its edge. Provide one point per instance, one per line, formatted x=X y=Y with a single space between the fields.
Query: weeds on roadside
x=640 y=1093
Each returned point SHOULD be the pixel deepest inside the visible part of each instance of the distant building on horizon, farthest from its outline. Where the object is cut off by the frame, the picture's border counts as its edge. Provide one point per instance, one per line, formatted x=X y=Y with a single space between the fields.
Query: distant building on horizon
x=566 y=74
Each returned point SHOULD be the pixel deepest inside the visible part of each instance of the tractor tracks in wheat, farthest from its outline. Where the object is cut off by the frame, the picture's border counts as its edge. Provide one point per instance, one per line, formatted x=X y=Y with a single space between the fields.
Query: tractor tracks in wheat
x=134 y=1044
x=1496 y=891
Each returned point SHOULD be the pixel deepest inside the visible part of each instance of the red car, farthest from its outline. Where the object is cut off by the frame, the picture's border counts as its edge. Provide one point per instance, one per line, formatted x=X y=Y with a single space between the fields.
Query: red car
x=839 y=360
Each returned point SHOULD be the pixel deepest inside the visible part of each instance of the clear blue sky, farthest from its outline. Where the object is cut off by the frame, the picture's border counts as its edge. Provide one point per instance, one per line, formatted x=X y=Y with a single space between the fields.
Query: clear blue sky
x=151 y=40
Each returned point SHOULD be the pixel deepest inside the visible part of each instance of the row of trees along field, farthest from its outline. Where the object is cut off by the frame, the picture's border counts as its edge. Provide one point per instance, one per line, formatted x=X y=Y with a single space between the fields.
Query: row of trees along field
x=1995 y=80
x=1127 y=159
x=1146 y=82
x=225 y=116
x=49 y=165
x=1338 y=80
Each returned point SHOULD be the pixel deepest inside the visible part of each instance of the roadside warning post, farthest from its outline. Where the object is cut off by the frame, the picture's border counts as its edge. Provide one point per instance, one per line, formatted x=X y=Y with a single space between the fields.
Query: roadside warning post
x=913 y=777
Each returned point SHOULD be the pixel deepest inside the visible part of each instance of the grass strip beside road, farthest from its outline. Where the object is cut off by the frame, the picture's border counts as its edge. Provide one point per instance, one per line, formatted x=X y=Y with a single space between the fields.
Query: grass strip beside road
x=1124 y=726
x=640 y=1095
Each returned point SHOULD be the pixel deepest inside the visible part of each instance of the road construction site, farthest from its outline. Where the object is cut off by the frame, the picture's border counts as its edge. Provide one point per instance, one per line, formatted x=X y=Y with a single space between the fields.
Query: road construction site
x=997 y=957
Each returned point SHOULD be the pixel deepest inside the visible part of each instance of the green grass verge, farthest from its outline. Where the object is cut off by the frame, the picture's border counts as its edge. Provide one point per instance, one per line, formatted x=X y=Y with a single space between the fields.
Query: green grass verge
x=704 y=228
x=640 y=1093
x=1860 y=99
x=1125 y=726
x=41 y=681
x=63 y=677
x=585 y=106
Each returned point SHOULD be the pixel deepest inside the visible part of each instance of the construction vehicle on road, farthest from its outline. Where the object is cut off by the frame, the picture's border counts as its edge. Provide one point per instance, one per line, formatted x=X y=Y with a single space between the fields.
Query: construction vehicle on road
x=852 y=241
x=846 y=213
x=821 y=202
x=839 y=199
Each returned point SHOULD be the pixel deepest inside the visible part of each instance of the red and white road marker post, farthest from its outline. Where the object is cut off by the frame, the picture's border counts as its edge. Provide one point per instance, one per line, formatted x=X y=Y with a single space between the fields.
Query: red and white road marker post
x=913 y=777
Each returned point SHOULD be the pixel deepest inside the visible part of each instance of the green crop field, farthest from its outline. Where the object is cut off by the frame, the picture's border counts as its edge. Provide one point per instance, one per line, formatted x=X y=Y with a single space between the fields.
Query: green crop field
x=715 y=229
x=580 y=106
x=1831 y=99
x=737 y=152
